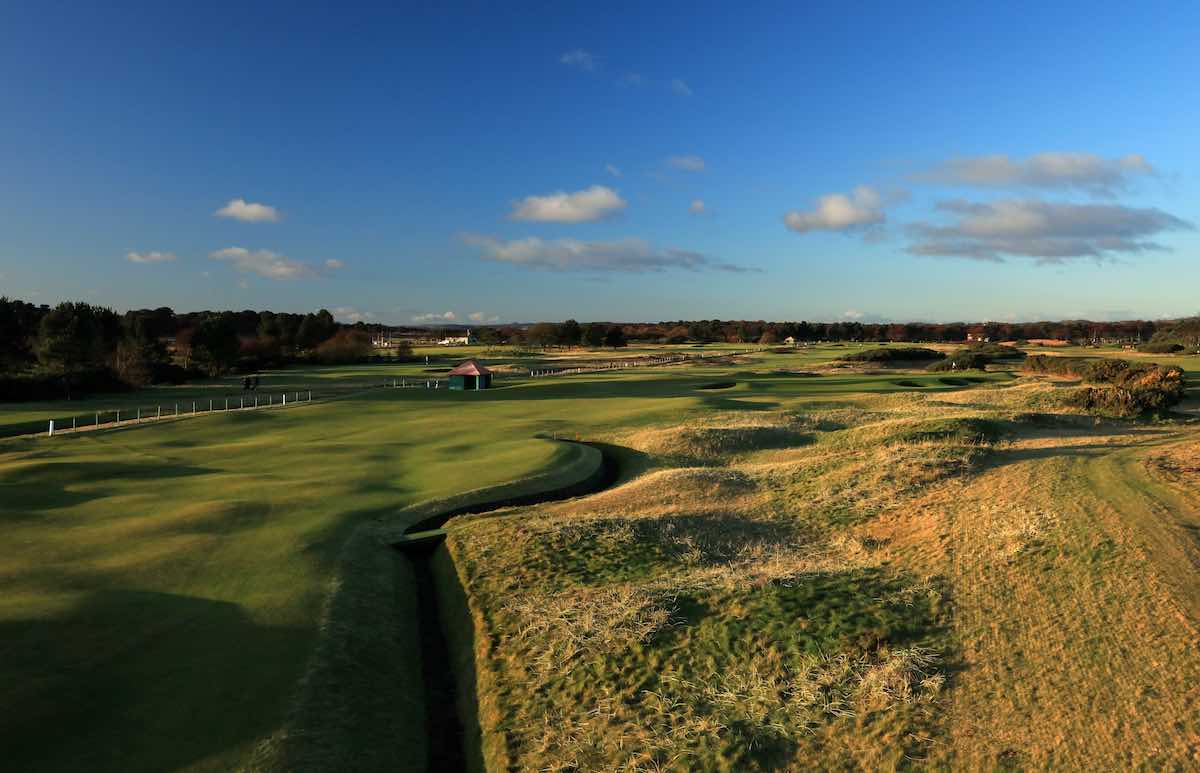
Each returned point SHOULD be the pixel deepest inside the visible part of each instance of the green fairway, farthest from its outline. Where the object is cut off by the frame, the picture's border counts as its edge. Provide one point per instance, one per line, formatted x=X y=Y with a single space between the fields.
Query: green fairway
x=163 y=583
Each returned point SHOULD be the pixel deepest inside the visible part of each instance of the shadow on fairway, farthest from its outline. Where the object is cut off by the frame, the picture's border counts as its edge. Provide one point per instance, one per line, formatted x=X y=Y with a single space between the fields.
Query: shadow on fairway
x=122 y=655
x=46 y=486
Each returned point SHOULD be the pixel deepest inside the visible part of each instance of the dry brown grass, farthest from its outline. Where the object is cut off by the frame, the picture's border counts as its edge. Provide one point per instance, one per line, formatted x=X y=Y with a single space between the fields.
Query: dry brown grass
x=641 y=628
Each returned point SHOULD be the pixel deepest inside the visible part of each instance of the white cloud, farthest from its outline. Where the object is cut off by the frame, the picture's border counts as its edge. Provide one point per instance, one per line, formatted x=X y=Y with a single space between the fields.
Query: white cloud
x=686 y=163
x=446 y=316
x=1054 y=170
x=150 y=257
x=334 y=263
x=632 y=79
x=1050 y=232
x=612 y=170
x=351 y=315
x=697 y=207
x=594 y=203
x=680 y=88
x=480 y=317
x=264 y=263
x=579 y=58
x=840 y=212
x=240 y=209
x=628 y=255
x=242 y=283
x=852 y=314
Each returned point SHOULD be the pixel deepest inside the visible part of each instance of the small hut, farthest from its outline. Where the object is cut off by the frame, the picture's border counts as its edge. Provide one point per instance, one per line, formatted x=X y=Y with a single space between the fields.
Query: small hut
x=470 y=375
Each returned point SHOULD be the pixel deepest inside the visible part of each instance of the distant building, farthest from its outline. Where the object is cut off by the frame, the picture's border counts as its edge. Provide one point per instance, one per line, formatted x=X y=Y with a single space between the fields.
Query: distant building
x=467 y=340
x=790 y=340
x=977 y=335
x=470 y=376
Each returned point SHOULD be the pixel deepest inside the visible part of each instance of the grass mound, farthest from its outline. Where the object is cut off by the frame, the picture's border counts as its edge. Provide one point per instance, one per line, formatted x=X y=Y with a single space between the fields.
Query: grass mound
x=722 y=618
x=707 y=443
x=888 y=354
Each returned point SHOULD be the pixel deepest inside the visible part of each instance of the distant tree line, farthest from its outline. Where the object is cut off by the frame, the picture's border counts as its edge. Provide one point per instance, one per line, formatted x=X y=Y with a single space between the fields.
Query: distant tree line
x=50 y=352
x=598 y=334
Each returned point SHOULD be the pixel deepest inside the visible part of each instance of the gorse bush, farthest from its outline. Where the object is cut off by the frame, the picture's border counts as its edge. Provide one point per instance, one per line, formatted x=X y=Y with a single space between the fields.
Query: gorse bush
x=344 y=347
x=1161 y=347
x=1126 y=388
x=962 y=360
x=995 y=351
x=977 y=357
x=894 y=354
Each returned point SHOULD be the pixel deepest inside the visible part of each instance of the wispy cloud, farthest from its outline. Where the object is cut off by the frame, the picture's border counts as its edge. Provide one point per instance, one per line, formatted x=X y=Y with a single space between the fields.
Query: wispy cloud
x=1047 y=231
x=687 y=163
x=580 y=59
x=861 y=208
x=594 y=203
x=445 y=316
x=697 y=207
x=334 y=264
x=680 y=88
x=351 y=315
x=268 y=264
x=623 y=255
x=612 y=170
x=482 y=318
x=1052 y=170
x=247 y=212
x=153 y=256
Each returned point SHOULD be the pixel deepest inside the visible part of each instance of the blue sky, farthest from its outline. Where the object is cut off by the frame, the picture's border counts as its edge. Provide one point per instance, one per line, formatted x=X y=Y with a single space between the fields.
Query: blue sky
x=637 y=161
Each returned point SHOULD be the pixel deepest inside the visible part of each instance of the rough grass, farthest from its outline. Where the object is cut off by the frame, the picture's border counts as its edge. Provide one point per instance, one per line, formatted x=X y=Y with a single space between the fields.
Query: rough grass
x=729 y=618
x=807 y=605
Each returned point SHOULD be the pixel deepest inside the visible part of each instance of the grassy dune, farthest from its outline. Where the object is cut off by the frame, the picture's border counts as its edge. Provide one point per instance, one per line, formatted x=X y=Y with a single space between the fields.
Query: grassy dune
x=845 y=569
x=922 y=583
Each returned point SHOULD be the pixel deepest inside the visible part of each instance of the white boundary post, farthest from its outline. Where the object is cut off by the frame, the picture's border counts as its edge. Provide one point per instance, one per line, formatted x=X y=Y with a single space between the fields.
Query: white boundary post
x=51 y=432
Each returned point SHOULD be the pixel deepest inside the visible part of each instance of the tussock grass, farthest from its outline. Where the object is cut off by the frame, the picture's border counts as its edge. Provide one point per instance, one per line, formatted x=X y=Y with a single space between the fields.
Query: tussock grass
x=710 y=444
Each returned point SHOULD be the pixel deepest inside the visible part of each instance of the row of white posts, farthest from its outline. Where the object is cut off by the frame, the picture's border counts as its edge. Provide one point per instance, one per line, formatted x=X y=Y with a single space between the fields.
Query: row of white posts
x=212 y=407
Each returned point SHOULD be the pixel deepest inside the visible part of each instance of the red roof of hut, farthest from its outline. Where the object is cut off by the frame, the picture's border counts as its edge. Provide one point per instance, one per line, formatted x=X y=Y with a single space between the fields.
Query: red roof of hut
x=470 y=368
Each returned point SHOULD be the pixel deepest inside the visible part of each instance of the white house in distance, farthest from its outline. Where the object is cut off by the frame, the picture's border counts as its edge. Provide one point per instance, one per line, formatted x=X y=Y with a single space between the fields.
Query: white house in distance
x=466 y=340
